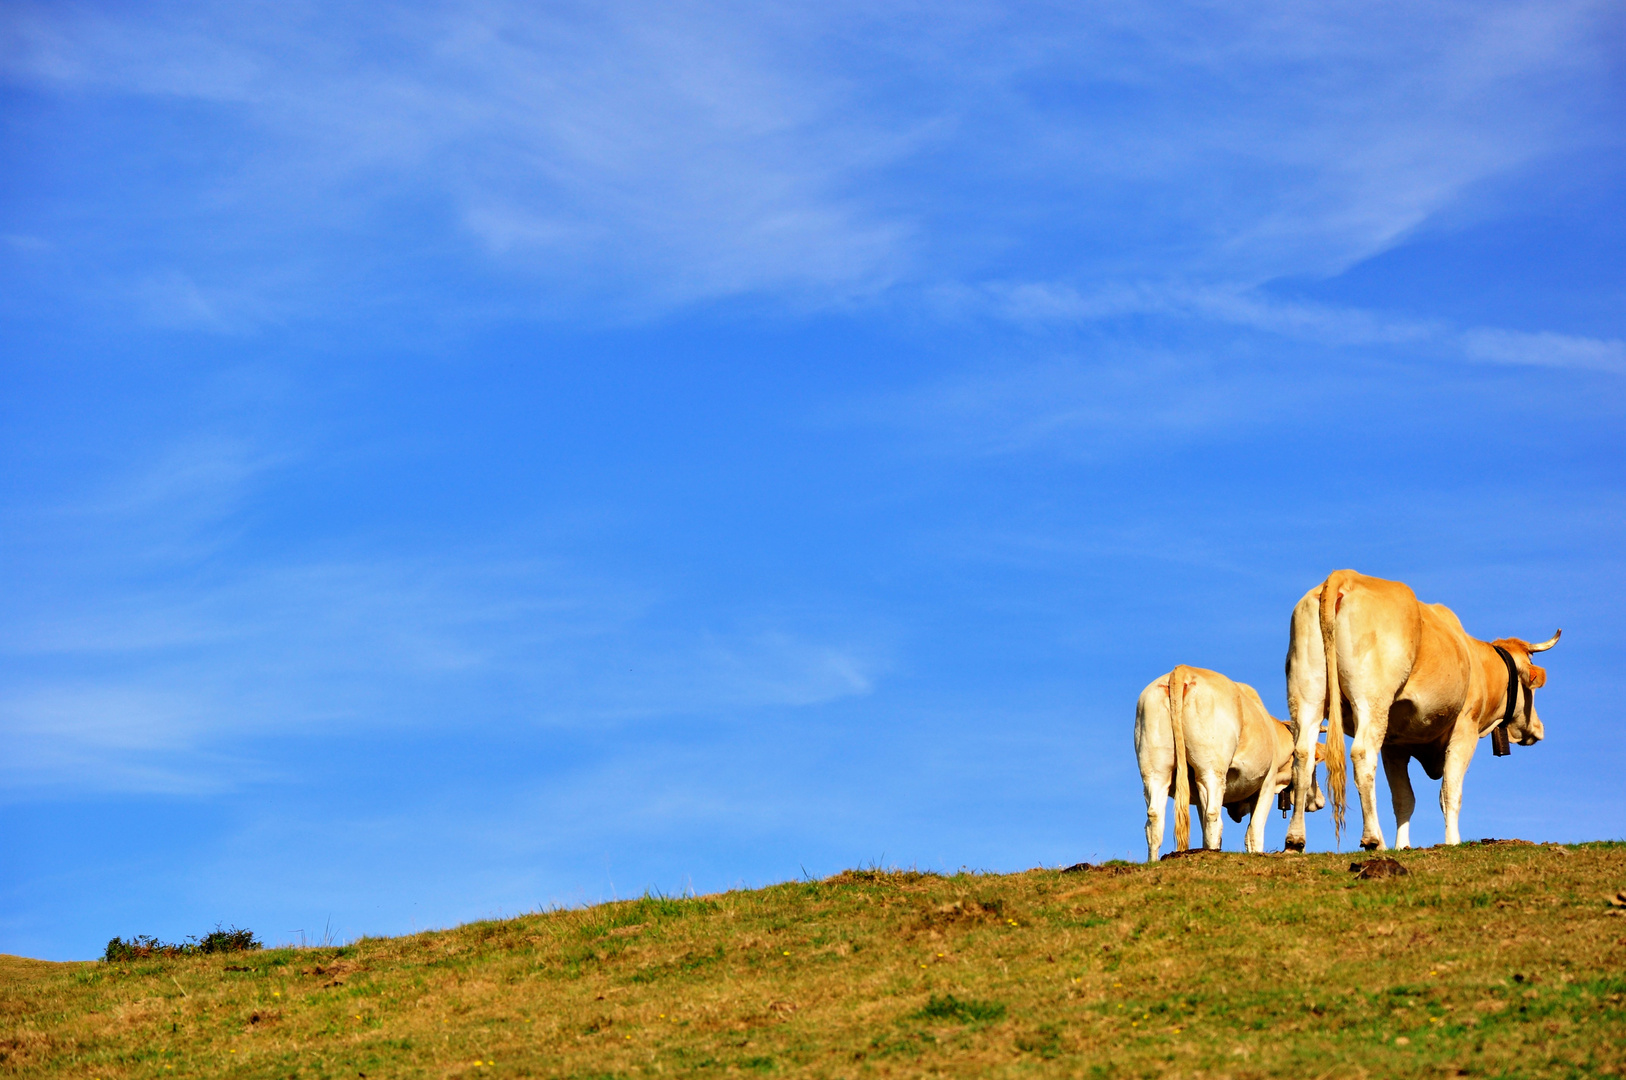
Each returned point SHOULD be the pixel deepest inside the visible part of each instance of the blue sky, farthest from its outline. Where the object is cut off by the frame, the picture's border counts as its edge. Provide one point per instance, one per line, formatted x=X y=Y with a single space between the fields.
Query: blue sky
x=465 y=457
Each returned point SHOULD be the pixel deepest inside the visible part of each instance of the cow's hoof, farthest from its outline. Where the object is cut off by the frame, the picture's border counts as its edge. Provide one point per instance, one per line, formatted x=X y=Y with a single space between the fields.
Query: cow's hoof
x=1371 y=845
x=1293 y=844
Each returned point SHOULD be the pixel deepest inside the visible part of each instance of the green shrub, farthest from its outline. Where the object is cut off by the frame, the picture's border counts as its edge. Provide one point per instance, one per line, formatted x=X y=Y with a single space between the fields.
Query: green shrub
x=219 y=940
x=139 y=947
x=231 y=939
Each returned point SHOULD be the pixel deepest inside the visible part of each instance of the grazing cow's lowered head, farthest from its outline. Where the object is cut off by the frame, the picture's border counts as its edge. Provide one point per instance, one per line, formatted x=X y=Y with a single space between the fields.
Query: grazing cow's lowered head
x=1284 y=779
x=1525 y=726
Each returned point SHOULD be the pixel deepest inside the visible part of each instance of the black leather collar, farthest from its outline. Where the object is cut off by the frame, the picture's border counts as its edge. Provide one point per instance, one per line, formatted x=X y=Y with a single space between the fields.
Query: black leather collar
x=1499 y=745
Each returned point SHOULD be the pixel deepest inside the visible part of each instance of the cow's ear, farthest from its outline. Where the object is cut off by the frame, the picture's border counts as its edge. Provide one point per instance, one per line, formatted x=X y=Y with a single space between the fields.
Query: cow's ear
x=1538 y=677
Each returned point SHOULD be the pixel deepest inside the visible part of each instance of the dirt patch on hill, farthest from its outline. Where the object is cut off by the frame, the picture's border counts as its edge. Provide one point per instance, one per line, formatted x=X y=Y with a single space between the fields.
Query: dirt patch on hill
x=1378 y=869
x=1198 y=852
x=334 y=973
x=1113 y=868
x=963 y=912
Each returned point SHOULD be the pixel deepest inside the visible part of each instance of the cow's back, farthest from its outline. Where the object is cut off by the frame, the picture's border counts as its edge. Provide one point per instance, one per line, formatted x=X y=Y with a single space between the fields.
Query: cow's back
x=1226 y=727
x=1212 y=727
x=1380 y=623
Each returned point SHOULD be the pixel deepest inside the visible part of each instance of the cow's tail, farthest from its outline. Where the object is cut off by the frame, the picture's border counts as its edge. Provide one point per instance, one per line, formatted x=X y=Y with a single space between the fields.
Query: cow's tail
x=1182 y=783
x=1335 y=704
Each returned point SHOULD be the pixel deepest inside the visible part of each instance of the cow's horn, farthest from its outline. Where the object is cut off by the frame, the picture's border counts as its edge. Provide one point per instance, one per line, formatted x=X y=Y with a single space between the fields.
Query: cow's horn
x=1549 y=643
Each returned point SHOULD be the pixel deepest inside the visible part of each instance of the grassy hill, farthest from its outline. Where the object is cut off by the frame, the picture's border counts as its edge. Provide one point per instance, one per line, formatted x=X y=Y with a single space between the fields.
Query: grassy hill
x=1485 y=961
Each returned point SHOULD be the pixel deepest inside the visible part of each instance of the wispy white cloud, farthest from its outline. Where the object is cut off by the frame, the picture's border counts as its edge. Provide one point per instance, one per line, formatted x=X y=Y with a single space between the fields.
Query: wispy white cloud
x=1545 y=349
x=574 y=144
x=680 y=153
x=747 y=669
x=179 y=504
x=87 y=46
x=1098 y=391
x=29 y=244
x=165 y=682
x=134 y=737
x=175 y=300
x=1115 y=398
x=1039 y=303
x=150 y=664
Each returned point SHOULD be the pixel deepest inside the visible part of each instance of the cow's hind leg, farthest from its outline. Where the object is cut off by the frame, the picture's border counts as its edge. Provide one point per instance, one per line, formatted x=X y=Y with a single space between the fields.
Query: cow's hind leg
x=1395 y=763
x=1211 y=799
x=1371 y=725
x=1157 y=799
x=1306 y=704
x=1306 y=725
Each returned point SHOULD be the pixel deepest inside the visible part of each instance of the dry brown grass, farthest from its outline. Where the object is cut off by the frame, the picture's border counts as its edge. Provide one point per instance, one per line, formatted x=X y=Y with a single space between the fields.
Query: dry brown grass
x=1492 y=961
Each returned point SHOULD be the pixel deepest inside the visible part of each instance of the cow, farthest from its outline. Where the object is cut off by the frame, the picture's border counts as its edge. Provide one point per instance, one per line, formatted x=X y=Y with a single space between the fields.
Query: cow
x=1194 y=722
x=1415 y=685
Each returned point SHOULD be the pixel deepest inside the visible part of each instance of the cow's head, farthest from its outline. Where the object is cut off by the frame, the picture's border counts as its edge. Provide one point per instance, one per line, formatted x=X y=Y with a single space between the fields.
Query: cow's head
x=1525 y=727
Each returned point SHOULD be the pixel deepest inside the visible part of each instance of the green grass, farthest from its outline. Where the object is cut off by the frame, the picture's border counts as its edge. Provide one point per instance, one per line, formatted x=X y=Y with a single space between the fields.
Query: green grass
x=1485 y=961
x=950 y=1007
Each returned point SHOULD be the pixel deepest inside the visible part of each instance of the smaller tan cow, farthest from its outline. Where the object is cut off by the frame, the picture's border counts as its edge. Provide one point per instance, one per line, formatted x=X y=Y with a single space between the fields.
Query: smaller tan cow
x=1196 y=724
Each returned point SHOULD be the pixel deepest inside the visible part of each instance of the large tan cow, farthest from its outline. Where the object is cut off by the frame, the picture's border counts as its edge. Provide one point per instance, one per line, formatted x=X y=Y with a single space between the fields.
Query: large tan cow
x=1196 y=722
x=1416 y=685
